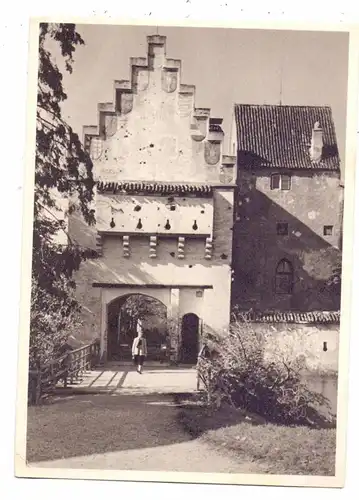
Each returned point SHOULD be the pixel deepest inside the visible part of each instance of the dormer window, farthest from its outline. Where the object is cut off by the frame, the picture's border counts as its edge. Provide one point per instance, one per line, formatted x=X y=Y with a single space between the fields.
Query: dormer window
x=281 y=181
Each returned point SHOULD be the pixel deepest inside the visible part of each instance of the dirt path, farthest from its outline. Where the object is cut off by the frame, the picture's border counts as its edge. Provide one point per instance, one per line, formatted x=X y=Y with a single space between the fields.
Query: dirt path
x=121 y=433
x=190 y=456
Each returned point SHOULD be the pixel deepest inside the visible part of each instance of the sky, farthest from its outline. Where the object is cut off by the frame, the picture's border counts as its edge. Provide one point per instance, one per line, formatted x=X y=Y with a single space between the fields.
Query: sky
x=227 y=66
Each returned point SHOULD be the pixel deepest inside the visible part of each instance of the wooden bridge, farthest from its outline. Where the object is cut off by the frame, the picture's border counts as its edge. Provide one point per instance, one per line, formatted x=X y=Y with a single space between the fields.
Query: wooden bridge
x=80 y=371
x=64 y=370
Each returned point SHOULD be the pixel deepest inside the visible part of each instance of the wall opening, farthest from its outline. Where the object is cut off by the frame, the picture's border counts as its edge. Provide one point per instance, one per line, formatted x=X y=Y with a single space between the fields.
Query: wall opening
x=122 y=316
x=189 y=338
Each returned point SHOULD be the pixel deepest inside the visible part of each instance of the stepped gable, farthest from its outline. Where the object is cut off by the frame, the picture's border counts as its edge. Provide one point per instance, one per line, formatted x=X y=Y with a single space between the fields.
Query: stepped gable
x=202 y=127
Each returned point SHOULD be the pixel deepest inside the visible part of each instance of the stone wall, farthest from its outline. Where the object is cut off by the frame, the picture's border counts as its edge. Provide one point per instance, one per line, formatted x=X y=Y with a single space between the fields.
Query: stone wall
x=312 y=202
x=156 y=215
x=317 y=346
x=89 y=298
x=194 y=270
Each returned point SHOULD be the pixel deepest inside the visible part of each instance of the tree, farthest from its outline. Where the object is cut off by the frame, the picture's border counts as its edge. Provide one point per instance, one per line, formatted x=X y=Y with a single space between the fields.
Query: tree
x=334 y=283
x=141 y=307
x=63 y=171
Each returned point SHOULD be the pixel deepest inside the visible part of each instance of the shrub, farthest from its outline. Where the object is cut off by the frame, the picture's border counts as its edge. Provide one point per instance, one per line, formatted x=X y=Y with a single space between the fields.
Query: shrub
x=51 y=321
x=236 y=372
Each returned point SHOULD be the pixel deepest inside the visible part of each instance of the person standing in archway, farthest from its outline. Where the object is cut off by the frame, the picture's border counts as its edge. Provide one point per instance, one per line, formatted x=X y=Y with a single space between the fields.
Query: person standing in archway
x=139 y=348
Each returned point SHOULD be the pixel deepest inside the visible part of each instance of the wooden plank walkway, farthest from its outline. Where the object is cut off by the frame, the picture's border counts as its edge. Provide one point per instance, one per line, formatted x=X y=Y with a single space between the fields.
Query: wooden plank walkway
x=124 y=379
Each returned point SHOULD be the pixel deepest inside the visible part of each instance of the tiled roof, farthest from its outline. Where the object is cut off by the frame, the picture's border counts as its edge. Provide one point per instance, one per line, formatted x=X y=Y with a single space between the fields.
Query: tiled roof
x=280 y=136
x=155 y=188
x=313 y=317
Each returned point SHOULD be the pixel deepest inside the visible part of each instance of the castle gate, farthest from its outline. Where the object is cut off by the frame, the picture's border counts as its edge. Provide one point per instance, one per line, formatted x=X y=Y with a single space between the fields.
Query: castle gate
x=163 y=205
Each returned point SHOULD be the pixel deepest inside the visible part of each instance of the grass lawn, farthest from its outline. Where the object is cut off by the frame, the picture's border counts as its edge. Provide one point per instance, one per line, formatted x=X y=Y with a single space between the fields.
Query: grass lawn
x=96 y=424
x=276 y=449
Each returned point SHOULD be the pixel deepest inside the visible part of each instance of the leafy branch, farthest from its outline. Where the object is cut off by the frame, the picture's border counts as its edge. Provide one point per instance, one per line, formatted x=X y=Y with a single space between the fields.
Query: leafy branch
x=63 y=169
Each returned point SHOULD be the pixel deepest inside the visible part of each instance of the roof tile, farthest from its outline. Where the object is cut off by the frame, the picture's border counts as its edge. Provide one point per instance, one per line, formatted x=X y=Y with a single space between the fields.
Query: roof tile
x=154 y=187
x=312 y=317
x=280 y=136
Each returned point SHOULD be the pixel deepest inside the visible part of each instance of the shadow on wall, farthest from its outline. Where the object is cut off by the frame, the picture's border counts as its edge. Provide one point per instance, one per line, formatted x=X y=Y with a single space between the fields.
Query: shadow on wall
x=111 y=269
x=257 y=161
x=258 y=249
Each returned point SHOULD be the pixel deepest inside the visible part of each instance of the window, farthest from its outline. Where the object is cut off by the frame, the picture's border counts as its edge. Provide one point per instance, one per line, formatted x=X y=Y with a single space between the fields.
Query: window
x=282 y=228
x=328 y=230
x=275 y=181
x=281 y=181
x=284 y=277
x=285 y=182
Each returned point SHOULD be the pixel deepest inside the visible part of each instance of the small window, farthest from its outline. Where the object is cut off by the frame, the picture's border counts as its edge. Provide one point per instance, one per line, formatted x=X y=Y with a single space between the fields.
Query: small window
x=284 y=277
x=281 y=181
x=328 y=230
x=285 y=182
x=275 y=181
x=282 y=228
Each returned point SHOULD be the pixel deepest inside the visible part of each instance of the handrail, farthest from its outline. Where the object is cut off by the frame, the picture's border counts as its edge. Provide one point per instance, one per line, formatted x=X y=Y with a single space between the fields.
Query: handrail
x=203 y=354
x=69 y=366
x=199 y=357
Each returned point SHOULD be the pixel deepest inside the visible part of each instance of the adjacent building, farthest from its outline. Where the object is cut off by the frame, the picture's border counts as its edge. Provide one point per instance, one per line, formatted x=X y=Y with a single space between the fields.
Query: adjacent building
x=287 y=232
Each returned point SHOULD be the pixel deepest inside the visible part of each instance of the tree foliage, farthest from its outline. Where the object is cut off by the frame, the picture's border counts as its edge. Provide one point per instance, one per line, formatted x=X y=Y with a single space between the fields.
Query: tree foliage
x=141 y=307
x=63 y=171
x=334 y=283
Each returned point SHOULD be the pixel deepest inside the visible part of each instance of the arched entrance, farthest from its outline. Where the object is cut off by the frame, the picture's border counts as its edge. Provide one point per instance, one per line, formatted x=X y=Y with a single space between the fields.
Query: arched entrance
x=122 y=316
x=189 y=338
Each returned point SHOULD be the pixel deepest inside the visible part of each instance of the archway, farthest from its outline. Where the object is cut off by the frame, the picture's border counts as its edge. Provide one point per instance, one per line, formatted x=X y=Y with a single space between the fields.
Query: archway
x=189 y=338
x=122 y=316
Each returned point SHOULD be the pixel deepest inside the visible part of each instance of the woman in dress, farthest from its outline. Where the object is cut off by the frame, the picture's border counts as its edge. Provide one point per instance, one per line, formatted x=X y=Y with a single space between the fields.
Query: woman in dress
x=139 y=348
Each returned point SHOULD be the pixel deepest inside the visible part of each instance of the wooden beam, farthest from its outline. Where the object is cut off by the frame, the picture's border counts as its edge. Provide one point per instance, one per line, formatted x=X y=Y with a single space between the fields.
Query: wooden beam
x=153 y=285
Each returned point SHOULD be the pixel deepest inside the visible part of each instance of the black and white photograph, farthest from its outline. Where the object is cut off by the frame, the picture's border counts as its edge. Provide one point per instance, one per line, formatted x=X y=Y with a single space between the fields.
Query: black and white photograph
x=183 y=317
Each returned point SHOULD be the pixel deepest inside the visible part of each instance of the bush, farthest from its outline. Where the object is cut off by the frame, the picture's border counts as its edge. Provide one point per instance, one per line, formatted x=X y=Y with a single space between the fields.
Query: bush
x=54 y=314
x=236 y=372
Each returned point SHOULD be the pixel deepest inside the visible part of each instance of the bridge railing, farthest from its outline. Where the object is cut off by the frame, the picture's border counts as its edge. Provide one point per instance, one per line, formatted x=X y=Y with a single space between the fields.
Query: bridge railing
x=201 y=356
x=67 y=368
